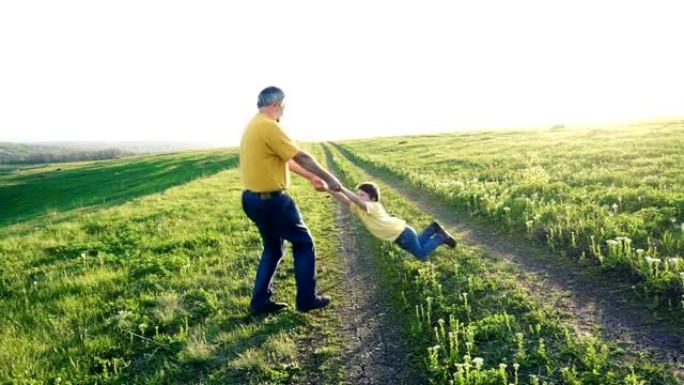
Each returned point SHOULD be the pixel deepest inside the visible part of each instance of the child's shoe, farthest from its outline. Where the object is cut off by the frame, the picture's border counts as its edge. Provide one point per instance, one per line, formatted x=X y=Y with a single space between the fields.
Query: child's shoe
x=449 y=239
x=436 y=227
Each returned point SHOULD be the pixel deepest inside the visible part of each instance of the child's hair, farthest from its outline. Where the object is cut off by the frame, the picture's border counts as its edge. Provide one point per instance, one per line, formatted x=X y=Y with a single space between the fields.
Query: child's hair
x=371 y=189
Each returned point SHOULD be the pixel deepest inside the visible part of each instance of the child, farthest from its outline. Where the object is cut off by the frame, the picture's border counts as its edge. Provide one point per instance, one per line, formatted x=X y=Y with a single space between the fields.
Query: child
x=366 y=204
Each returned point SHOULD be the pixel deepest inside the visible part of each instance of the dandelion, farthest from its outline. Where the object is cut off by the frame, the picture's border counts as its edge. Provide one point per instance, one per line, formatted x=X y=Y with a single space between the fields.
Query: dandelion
x=650 y=260
x=521 y=346
x=653 y=264
x=478 y=361
x=675 y=262
x=502 y=372
x=516 y=366
x=467 y=361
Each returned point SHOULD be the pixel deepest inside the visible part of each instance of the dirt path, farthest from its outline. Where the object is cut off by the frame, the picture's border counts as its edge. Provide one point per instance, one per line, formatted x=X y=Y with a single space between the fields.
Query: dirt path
x=376 y=352
x=595 y=300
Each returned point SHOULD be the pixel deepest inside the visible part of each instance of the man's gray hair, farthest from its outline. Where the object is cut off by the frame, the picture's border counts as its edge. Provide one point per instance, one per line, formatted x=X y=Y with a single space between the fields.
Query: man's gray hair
x=270 y=95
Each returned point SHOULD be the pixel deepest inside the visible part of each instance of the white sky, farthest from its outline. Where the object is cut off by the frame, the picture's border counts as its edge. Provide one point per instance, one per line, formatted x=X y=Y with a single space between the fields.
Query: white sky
x=171 y=70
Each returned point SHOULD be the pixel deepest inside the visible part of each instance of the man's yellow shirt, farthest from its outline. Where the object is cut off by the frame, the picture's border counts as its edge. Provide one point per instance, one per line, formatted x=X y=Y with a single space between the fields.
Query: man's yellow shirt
x=265 y=150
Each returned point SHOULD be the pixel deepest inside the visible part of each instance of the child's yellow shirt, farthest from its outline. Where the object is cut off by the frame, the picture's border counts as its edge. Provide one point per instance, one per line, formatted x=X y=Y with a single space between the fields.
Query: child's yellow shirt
x=378 y=222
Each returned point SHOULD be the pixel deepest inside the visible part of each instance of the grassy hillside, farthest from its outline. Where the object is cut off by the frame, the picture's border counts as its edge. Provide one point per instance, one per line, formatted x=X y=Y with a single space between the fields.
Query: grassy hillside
x=140 y=270
x=613 y=196
x=30 y=191
x=473 y=322
x=154 y=290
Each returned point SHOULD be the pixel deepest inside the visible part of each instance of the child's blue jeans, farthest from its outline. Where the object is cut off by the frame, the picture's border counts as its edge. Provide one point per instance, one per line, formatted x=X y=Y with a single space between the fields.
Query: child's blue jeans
x=420 y=246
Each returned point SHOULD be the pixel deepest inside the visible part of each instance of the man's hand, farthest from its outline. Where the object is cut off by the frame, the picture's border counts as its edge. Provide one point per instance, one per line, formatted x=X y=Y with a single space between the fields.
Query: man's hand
x=318 y=183
x=334 y=184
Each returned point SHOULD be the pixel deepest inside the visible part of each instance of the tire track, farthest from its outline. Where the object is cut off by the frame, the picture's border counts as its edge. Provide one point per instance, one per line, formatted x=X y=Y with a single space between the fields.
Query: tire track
x=377 y=351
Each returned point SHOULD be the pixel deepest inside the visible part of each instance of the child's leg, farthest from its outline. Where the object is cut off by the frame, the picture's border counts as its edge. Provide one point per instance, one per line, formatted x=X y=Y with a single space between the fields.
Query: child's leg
x=409 y=241
x=427 y=234
x=432 y=244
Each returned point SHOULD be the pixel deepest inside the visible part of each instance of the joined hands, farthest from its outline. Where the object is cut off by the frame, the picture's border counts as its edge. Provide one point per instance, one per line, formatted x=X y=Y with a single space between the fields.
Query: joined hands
x=322 y=186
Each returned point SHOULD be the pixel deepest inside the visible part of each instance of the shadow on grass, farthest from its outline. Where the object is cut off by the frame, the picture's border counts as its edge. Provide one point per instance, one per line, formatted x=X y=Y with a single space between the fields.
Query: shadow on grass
x=31 y=193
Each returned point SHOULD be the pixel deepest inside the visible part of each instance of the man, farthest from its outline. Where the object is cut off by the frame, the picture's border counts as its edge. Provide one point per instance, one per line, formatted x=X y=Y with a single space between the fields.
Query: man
x=266 y=155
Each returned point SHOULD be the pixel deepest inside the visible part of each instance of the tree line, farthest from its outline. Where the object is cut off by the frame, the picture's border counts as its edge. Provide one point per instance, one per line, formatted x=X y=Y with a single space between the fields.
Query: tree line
x=55 y=155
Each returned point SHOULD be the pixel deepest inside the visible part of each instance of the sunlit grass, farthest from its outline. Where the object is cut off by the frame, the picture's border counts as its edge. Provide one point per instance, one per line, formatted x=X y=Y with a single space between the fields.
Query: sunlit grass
x=471 y=322
x=28 y=192
x=578 y=191
x=155 y=290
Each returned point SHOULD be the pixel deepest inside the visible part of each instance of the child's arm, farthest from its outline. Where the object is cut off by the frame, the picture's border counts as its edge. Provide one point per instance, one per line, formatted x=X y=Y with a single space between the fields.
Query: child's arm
x=340 y=197
x=354 y=198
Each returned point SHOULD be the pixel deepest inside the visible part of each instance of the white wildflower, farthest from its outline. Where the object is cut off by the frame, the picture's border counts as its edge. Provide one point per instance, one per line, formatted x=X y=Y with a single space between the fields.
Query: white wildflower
x=650 y=260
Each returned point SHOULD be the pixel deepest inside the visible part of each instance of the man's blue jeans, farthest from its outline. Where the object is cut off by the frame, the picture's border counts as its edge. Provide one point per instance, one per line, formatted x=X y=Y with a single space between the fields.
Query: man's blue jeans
x=420 y=246
x=278 y=219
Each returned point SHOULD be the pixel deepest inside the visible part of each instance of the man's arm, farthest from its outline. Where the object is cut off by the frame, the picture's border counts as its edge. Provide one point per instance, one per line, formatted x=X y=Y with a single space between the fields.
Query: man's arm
x=351 y=196
x=315 y=181
x=308 y=163
x=299 y=170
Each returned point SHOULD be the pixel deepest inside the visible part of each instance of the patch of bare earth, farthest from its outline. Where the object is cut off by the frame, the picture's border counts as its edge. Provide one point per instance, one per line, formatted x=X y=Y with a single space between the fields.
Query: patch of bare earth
x=376 y=351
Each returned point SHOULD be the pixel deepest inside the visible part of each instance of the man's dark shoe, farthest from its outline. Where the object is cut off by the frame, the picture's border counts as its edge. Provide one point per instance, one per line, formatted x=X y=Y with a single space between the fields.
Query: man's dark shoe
x=436 y=227
x=319 y=302
x=269 y=307
x=449 y=239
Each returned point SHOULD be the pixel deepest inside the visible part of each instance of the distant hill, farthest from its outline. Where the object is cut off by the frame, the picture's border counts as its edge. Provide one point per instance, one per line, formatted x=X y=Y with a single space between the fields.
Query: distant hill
x=48 y=152
x=138 y=147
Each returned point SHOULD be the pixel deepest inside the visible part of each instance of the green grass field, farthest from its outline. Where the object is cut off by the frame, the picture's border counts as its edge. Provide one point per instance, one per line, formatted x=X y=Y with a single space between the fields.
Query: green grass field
x=140 y=270
x=35 y=190
x=610 y=195
x=154 y=290
x=474 y=324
